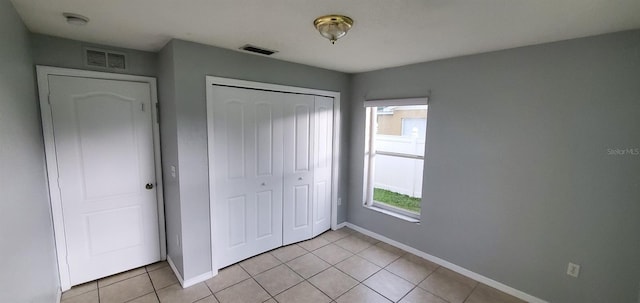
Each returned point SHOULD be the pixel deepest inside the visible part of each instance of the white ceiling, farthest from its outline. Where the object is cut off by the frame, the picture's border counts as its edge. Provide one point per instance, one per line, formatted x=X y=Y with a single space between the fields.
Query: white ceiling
x=386 y=33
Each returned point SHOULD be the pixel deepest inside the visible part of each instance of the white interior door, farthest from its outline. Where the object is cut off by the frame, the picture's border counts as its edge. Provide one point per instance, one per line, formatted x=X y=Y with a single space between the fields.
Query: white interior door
x=299 y=128
x=322 y=164
x=104 y=148
x=247 y=160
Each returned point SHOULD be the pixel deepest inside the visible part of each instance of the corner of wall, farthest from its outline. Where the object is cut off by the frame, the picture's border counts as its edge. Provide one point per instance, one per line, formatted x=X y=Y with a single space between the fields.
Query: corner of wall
x=170 y=165
x=30 y=271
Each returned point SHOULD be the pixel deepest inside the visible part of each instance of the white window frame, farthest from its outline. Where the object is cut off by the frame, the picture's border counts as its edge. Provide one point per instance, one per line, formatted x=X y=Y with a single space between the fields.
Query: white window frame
x=370 y=153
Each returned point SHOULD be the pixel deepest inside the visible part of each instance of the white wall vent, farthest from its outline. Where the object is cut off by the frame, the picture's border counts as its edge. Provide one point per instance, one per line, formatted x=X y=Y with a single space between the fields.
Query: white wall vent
x=105 y=59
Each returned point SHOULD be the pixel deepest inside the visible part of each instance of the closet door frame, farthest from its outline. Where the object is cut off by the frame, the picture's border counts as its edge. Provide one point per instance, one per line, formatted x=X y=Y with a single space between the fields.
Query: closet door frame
x=210 y=82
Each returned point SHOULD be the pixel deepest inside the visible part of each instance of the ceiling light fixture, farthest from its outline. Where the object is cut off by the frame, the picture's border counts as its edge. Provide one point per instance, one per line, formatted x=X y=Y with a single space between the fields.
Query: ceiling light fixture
x=75 y=19
x=333 y=27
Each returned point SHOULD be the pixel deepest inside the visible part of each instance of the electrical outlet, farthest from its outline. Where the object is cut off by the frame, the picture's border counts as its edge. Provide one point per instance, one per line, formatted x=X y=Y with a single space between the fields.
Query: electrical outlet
x=339 y=201
x=178 y=241
x=173 y=171
x=573 y=270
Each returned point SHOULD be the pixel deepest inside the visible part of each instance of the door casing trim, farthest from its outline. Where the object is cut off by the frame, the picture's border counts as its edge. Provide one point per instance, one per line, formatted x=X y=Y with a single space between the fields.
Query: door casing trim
x=55 y=199
x=335 y=170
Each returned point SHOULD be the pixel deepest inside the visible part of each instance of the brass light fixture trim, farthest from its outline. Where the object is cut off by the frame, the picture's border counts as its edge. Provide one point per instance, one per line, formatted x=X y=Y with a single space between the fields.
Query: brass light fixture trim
x=333 y=27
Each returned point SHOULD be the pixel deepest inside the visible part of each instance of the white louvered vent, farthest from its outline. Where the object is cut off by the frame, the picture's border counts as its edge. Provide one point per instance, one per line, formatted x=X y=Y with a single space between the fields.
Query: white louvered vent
x=105 y=59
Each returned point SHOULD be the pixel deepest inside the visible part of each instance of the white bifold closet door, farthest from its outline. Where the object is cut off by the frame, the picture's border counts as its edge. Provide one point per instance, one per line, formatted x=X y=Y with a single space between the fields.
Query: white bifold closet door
x=308 y=150
x=272 y=163
x=298 y=168
x=248 y=173
x=323 y=164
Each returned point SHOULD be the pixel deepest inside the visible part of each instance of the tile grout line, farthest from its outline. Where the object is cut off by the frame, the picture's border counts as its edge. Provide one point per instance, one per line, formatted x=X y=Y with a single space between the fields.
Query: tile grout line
x=417 y=285
x=303 y=279
x=361 y=282
x=365 y=285
x=399 y=256
x=330 y=266
x=348 y=290
x=152 y=287
x=412 y=289
x=82 y=293
x=157 y=296
x=435 y=295
x=414 y=285
x=326 y=294
x=369 y=276
x=471 y=292
x=214 y=293
x=307 y=279
x=270 y=296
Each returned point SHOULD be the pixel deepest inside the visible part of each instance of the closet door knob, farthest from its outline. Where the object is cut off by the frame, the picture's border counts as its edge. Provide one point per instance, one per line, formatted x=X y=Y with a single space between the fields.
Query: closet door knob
x=299 y=178
x=148 y=186
x=263 y=184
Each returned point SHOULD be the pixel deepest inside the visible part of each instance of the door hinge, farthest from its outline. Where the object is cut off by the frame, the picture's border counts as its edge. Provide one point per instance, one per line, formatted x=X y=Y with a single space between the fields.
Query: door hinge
x=49 y=99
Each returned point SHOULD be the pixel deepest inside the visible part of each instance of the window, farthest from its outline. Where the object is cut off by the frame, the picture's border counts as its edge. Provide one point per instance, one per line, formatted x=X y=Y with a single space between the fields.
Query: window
x=414 y=127
x=394 y=156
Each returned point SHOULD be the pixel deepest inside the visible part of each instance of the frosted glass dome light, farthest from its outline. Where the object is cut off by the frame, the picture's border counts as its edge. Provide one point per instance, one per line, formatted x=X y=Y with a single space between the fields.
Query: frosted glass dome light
x=333 y=27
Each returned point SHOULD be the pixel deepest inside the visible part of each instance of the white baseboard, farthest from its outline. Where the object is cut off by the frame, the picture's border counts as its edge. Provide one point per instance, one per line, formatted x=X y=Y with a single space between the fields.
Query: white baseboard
x=341 y=225
x=175 y=270
x=59 y=295
x=197 y=279
x=190 y=282
x=463 y=271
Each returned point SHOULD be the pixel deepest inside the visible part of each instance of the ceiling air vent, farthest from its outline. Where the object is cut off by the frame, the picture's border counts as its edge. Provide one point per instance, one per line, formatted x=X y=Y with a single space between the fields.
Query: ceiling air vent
x=105 y=59
x=259 y=50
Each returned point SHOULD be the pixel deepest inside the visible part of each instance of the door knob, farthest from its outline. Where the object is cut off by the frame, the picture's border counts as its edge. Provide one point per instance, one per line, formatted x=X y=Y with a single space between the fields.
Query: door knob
x=299 y=178
x=148 y=186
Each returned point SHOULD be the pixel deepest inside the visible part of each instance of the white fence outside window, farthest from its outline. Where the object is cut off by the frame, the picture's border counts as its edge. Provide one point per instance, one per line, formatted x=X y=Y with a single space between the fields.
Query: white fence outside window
x=400 y=175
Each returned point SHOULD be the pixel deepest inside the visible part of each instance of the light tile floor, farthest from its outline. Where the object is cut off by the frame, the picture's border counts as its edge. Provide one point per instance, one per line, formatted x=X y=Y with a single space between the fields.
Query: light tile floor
x=341 y=266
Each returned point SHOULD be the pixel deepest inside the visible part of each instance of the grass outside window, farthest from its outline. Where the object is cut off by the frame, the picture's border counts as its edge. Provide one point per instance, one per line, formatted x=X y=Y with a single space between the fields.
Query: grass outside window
x=398 y=200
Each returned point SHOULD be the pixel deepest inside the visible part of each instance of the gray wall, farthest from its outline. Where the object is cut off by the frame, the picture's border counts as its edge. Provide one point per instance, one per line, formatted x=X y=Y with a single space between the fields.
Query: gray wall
x=169 y=145
x=518 y=180
x=29 y=271
x=61 y=52
x=191 y=62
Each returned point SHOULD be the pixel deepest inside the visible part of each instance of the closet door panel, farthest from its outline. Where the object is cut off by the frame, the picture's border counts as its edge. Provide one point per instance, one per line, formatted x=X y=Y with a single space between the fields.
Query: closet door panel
x=235 y=138
x=268 y=170
x=301 y=206
x=264 y=203
x=247 y=160
x=302 y=137
x=237 y=209
x=322 y=164
x=298 y=138
x=265 y=144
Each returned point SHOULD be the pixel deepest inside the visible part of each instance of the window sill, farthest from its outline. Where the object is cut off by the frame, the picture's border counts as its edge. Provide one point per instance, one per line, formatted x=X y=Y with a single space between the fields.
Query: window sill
x=393 y=214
